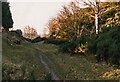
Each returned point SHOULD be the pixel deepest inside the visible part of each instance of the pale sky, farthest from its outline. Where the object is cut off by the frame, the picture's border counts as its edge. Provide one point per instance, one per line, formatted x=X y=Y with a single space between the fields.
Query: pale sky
x=34 y=13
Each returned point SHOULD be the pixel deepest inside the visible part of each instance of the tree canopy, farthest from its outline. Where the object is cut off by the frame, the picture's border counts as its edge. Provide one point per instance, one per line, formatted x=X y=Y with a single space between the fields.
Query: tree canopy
x=73 y=21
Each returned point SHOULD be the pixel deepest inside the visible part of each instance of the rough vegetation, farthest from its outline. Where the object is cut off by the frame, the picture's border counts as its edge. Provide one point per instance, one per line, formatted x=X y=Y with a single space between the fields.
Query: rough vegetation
x=106 y=45
x=72 y=44
x=77 y=28
x=20 y=61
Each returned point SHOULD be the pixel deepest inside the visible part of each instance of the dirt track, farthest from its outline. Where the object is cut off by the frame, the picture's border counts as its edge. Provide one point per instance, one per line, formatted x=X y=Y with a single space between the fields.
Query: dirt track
x=47 y=67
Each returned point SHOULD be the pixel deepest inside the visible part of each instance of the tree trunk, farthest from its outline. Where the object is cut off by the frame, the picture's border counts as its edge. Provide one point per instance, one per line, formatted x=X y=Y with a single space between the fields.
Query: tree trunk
x=81 y=30
x=96 y=16
x=96 y=23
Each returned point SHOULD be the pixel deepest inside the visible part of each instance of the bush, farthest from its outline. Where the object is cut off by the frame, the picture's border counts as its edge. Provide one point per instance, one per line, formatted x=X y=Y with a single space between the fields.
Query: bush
x=66 y=47
x=27 y=39
x=43 y=38
x=55 y=41
x=106 y=45
x=38 y=39
x=81 y=49
x=74 y=46
x=113 y=74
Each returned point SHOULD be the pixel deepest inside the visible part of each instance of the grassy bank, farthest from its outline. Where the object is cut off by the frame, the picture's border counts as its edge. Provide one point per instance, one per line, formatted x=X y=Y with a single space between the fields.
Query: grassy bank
x=73 y=67
x=21 y=61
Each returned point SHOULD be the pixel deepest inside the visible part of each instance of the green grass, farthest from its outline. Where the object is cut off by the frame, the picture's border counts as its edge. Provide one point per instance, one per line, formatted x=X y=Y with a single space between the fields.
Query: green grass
x=22 y=62
x=19 y=58
x=73 y=67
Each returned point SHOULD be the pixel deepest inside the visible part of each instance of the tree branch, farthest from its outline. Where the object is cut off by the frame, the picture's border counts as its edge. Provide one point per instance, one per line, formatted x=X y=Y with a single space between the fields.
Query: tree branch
x=91 y=15
x=102 y=10
x=90 y=5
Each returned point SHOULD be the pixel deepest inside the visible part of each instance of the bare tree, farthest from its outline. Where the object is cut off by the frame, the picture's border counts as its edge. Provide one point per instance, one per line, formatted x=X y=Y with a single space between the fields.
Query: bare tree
x=30 y=32
x=45 y=32
x=95 y=6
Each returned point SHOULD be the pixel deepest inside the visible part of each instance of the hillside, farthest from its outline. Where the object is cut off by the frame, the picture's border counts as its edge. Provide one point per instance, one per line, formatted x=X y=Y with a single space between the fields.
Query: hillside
x=20 y=61
x=24 y=62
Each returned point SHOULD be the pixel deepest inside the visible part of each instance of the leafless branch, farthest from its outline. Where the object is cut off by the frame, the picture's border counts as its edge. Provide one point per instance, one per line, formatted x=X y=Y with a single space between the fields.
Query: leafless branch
x=91 y=15
x=87 y=30
x=88 y=4
x=91 y=3
x=81 y=30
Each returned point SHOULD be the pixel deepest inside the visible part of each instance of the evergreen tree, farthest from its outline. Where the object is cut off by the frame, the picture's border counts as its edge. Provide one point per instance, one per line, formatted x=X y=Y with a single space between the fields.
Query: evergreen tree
x=7 y=21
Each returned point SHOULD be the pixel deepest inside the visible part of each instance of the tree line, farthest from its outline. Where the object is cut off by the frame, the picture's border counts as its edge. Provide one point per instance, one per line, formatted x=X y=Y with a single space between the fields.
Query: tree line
x=73 y=21
x=90 y=30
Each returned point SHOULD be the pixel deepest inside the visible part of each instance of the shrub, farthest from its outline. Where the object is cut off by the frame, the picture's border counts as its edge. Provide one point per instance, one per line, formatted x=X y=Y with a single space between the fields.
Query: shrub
x=27 y=39
x=113 y=74
x=81 y=49
x=67 y=47
x=106 y=45
x=55 y=41
x=38 y=39
x=43 y=38
x=75 y=46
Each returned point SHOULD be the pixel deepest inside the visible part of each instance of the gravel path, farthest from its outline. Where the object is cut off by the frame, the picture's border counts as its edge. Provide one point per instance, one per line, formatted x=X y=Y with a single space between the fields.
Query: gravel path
x=47 y=67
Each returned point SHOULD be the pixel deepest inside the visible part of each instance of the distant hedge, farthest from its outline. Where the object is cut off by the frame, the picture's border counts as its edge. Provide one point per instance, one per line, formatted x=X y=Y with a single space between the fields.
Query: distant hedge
x=38 y=39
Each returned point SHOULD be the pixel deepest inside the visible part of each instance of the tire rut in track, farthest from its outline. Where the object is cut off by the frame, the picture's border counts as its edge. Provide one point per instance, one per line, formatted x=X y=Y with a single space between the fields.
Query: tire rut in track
x=53 y=68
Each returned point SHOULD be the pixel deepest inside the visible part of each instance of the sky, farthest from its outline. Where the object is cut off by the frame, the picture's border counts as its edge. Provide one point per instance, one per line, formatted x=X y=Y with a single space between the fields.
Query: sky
x=35 y=13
